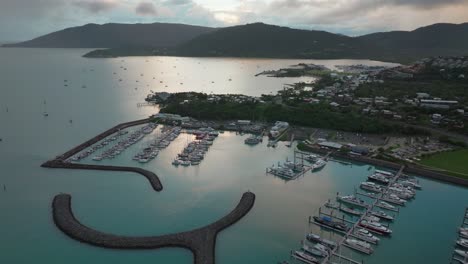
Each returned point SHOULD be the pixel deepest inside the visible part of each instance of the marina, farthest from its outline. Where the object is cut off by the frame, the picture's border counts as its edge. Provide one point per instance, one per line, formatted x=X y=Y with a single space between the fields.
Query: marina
x=359 y=234
x=127 y=205
x=460 y=253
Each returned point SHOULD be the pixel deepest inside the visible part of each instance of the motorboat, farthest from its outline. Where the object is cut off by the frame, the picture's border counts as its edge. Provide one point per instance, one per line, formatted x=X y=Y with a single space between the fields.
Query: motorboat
x=252 y=140
x=462 y=253
x=382 y=215
x=349 y=210
x=328 y=222
x=379 y=178
x=365 y=235
x=385 y=205
x=317 y=239
x=304 y=257
x=392 y=198
x=176 y=162
x=351 y=199
x=385 y=173
x=370 y=186
x=462 y=243
x=318 y=252
x=411 y=184
x=372 y=218
x=319 y=164
x=375 y=227
x=358 y=245
x=463 y=233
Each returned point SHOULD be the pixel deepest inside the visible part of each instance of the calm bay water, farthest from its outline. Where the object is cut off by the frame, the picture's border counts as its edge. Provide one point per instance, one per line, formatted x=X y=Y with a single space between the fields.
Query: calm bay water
x=124 y=203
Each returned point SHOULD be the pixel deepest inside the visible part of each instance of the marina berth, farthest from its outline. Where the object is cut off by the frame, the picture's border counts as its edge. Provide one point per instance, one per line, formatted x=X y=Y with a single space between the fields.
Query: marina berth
x=358 y=245
x=319 y=164
x=379 y=178
x=304 y=257
x=410 y=184
x=462 y=253
x=375 y=227
x=394 y=199
x=382 y=215
x=386 y=173
x=385 y=205
x=317 y=239
x=462 y=243
x=328 y=222
x=351 y=199
x=318 y=250
x=365 y=235
x=350 y=211
x=463 y=233
x=370 y=186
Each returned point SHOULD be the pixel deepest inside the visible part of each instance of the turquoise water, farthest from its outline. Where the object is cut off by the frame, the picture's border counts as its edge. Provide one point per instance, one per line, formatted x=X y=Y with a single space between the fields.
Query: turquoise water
x=124 y=203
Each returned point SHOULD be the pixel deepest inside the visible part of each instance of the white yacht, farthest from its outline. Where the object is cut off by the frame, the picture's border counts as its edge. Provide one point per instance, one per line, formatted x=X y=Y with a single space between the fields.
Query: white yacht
x=370 y=186
x=358 y=245
x=304 y=257
x=365 y=235
x=320 y=163
x=385 y=205
x=462 y=243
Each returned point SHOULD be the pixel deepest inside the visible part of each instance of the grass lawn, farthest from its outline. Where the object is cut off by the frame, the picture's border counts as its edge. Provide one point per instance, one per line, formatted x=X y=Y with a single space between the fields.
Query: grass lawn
x=453 y=161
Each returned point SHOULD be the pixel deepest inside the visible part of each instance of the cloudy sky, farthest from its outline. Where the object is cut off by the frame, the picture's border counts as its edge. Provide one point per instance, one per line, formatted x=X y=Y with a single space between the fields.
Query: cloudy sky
x=26 y=19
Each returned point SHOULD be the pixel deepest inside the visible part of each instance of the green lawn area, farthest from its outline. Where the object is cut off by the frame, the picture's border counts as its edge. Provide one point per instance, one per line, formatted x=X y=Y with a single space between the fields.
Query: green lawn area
x=454 y=161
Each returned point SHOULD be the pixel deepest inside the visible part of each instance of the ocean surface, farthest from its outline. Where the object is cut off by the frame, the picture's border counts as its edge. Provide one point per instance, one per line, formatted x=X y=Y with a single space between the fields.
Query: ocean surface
x=33 y=81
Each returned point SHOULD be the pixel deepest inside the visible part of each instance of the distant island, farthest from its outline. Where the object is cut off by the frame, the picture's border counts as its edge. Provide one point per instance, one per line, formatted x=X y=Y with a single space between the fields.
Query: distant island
x=256 y=40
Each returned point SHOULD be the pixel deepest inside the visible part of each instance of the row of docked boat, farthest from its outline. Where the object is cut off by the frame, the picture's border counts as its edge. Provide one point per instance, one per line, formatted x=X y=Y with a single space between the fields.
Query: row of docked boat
x=168 y=134
x=133 y=138
x=195 y=151
x=461 y=250
x=97 y=147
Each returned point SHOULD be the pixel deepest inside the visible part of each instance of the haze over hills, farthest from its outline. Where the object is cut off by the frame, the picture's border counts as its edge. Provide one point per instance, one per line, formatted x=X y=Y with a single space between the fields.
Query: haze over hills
x=258 y=40
x=117 y=35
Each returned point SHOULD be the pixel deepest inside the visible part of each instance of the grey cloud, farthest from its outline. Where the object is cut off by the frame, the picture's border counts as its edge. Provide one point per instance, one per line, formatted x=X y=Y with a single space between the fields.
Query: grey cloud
x=178 y=2
x=96 y=6
x=146 y=9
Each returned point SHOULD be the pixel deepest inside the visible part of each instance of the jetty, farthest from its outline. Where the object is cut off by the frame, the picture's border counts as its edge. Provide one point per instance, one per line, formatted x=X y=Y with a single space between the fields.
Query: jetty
x=200 y=241
x=151 y=176
x=365 y=214
x=60 y=161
